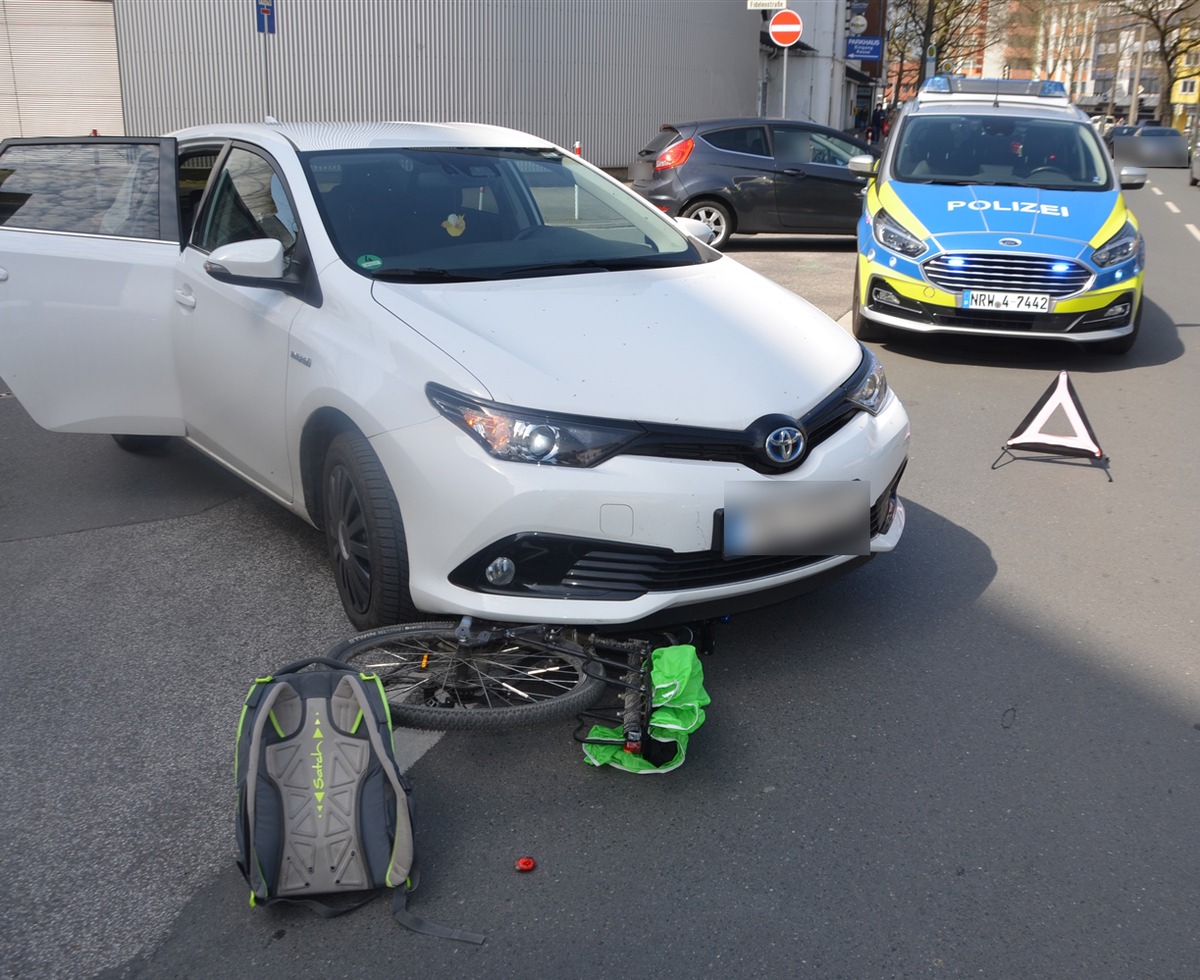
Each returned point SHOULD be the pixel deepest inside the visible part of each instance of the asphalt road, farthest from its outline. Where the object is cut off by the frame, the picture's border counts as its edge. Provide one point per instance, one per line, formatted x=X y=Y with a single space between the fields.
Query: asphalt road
x=977 y=756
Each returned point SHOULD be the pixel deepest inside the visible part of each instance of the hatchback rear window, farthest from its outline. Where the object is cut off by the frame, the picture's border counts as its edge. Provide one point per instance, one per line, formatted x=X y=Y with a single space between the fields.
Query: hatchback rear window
x=743 y=139
x=661 y=140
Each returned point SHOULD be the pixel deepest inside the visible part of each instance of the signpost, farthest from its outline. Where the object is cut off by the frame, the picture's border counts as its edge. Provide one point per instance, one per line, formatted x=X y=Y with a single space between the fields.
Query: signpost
x=785 y=30
x=265 y=22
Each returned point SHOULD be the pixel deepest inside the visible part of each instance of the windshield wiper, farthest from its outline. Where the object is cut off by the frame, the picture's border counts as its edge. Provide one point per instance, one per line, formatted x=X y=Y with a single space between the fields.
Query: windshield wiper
x=425 y=275
x=591 y=265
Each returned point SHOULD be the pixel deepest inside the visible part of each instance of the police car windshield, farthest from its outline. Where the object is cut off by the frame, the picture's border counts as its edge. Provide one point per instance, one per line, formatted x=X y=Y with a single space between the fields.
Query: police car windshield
x=990 y=149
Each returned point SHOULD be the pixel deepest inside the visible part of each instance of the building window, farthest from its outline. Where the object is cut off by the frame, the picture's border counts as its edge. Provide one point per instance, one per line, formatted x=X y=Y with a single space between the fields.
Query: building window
x=1187 y=86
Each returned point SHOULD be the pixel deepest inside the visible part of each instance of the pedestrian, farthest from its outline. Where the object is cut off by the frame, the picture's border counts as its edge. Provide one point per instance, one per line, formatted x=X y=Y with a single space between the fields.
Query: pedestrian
x=878 y=118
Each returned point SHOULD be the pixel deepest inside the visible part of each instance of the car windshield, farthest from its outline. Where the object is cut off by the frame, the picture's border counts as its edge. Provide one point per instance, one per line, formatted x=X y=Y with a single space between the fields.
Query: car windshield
x=443 y=214
x=987 y=149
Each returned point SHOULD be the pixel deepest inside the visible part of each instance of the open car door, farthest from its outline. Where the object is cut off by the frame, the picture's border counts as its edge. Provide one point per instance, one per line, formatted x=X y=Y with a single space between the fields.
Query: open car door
x=89 y=242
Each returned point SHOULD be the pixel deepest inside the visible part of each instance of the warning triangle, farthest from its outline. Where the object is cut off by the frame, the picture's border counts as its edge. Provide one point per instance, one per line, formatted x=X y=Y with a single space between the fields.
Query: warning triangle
x=1059 y=401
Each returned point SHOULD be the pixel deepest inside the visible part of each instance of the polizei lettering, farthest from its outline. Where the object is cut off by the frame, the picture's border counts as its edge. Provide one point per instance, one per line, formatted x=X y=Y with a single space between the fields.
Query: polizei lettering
x=1019 y=207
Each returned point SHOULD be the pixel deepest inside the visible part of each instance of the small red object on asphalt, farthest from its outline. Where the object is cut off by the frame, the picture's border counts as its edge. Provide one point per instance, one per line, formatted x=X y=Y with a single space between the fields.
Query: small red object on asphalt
x=524 y=864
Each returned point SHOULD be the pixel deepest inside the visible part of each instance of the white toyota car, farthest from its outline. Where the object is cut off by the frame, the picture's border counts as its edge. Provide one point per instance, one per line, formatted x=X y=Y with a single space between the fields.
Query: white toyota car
x=501 y=383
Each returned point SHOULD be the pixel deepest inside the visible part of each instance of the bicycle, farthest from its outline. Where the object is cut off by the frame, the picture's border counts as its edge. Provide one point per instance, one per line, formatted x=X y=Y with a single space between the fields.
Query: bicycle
x=469 y=677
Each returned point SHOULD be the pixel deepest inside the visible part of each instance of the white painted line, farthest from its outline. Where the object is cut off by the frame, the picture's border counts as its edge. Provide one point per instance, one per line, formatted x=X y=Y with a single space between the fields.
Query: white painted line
x=1194 y=230
x=1172 y=207
x=1157 y=191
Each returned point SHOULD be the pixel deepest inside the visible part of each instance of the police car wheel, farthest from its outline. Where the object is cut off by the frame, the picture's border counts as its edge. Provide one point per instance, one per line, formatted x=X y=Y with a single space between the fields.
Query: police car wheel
x=863 y=328
x=1122 y=345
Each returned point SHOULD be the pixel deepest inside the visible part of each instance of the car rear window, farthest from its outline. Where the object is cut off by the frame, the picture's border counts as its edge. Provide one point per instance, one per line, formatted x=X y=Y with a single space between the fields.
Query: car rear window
x=742 y=139
x=660 y=141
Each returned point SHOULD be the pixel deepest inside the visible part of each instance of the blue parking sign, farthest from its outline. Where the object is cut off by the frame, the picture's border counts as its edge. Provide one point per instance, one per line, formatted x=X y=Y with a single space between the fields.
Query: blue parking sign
x=266 y=16
x=864 y=48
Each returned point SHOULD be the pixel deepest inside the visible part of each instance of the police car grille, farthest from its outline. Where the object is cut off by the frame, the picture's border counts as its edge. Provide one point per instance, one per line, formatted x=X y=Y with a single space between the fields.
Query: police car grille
x=956 y=271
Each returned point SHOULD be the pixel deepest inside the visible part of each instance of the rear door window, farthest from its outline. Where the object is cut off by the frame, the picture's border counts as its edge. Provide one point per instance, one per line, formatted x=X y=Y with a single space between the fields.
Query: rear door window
x=740 y=139
x=89 y=187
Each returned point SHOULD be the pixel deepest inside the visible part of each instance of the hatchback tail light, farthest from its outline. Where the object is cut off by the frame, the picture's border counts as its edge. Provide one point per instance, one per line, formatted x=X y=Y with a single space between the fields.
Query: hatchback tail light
x=674 y=155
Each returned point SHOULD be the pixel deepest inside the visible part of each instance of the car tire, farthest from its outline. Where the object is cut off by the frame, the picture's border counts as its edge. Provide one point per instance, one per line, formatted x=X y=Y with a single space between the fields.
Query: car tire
x=864 y=329
x=141 y=444
x=716 y=215
x=1123 y=345
x=365 y=535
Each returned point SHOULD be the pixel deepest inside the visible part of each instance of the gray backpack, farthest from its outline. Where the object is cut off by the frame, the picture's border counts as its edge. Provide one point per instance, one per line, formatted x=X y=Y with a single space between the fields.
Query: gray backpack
x=322 y=807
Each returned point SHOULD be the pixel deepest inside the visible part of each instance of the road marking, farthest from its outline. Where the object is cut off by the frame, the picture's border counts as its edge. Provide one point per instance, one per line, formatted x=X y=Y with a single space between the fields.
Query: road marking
x=1157 y=191
x=1194 y=230
x=1172 y=207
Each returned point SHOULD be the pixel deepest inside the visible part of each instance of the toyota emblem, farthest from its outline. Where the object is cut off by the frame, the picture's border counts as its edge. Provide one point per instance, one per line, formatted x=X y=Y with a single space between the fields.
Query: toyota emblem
x=784 y=445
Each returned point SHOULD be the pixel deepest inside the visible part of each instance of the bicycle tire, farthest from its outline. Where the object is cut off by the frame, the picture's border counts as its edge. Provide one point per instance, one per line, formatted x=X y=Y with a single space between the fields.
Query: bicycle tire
x=431 y=683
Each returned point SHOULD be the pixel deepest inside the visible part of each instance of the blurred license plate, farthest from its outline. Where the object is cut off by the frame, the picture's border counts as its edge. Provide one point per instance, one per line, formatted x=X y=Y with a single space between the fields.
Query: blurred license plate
x=978 y=299
x=810 y=518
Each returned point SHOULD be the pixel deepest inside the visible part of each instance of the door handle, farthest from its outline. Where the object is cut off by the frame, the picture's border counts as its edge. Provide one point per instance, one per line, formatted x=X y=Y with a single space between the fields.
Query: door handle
x=3 y=275
x=795 y=173
x=184 y=297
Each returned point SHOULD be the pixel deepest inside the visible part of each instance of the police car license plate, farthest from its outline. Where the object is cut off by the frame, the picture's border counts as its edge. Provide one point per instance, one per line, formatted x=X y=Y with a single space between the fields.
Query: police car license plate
x=978 y=299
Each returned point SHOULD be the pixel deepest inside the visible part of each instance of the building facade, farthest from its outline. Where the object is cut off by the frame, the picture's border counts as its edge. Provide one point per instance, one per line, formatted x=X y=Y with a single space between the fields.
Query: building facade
x=602 y=73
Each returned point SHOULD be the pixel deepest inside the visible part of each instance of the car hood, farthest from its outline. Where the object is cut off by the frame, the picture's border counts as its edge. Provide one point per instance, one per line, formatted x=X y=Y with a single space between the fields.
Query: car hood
x=945 y=210
x=712 y=344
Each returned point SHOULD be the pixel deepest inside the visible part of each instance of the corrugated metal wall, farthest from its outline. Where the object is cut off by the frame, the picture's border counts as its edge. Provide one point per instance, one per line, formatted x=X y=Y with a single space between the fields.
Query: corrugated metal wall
x=58 y=68
x=605 y=72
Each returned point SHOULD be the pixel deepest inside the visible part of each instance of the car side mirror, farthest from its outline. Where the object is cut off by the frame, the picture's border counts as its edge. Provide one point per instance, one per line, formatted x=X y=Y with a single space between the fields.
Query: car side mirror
x=864 y=165
x=1132 y=178
x=697 y=229
x=259 y=258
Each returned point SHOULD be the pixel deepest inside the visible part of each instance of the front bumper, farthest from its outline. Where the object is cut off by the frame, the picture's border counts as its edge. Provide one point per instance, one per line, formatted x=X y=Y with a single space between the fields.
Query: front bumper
x=651 y=520
x=904 y=302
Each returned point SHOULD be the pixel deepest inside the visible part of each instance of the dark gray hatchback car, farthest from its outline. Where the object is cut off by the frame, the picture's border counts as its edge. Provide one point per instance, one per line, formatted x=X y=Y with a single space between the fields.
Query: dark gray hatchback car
x=743 y=176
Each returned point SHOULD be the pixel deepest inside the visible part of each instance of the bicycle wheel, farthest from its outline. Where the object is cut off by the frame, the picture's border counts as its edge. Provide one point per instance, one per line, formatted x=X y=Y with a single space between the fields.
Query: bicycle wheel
x=433 y=682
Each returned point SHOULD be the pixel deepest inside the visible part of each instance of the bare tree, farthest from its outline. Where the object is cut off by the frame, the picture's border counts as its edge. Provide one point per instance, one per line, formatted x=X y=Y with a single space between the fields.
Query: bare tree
x=1172 y=32
x=957 y=29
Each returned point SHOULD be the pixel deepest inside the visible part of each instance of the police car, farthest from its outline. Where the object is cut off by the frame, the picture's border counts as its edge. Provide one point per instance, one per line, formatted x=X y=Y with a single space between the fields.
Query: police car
x=996 y=209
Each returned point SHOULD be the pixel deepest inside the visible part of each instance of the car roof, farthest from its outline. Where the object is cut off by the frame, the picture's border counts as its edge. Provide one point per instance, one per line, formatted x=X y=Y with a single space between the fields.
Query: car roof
x=1046 y=99
x=306 y=136
x=950 y=107
x=748 y=121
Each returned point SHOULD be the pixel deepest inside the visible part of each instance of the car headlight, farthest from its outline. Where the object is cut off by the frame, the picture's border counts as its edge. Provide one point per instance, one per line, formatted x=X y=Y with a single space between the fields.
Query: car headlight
x=1121 y=247
x=872 y=391
x=523 y=435
x=891 y=234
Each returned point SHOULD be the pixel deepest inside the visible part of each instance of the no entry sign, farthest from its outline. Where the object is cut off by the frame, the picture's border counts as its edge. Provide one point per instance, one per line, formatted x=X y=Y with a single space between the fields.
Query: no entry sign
x=785 y=28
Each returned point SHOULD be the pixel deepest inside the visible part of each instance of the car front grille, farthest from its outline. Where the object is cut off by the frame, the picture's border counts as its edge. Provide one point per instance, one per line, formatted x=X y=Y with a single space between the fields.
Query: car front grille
x=1002 y=272
x=554 y=566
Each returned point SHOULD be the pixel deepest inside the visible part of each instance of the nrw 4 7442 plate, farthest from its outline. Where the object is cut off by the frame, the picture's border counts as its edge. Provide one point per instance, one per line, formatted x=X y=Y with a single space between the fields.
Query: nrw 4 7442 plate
x=980 y=299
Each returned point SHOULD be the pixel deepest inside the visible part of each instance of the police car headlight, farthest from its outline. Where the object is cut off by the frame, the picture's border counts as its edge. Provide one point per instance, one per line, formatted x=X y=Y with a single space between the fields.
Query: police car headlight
x=1120 y=248
x=891 y=234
